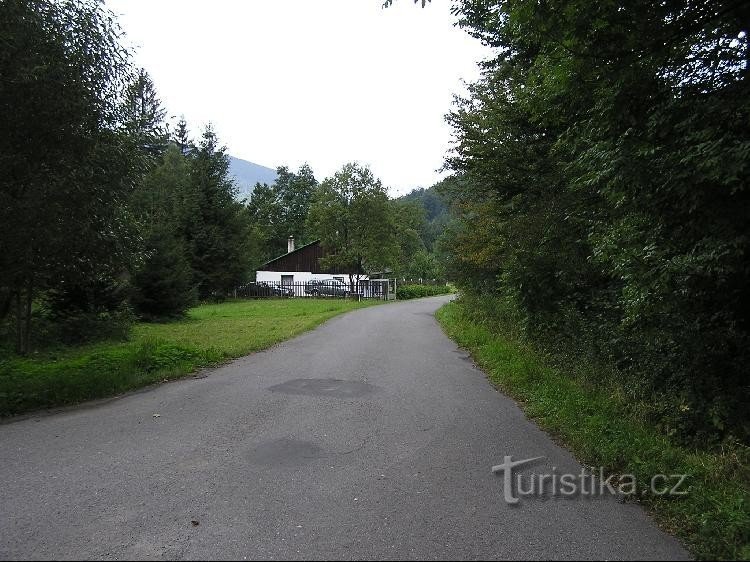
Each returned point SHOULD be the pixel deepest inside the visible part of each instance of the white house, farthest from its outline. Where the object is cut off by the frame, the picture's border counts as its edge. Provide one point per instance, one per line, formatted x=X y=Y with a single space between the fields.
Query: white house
x=300 y=265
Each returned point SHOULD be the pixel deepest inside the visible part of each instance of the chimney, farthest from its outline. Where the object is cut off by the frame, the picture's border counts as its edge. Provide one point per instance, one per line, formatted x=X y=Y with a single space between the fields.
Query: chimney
x=290 y=245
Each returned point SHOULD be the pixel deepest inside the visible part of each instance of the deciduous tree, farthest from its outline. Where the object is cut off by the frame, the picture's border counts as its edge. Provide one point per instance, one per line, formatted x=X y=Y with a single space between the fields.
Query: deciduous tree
x=68 y=166
x=353 y=218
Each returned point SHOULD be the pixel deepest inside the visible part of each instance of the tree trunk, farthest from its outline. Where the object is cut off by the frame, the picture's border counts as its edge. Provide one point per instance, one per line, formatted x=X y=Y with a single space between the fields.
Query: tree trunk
x=23 y=318
x=27 y=317
x=19 y=323
x=6 y=302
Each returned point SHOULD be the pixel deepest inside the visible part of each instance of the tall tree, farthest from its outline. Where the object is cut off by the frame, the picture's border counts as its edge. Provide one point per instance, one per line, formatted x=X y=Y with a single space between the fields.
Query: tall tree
x=408 y=221
x=265 y=218
x=67 y=164
x=165 y=204
x=280 y=210
x=294 y=192
x=217 y=233
x=353 y=218
x=181 y=137
x=144 y=115
x=602 y=190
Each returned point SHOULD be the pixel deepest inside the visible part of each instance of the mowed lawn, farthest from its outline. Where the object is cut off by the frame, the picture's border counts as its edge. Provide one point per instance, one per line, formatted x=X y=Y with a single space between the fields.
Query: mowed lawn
x=210 y=334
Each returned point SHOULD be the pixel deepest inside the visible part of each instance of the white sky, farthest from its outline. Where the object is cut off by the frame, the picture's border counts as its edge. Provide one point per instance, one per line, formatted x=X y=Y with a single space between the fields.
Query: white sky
x=324 y=82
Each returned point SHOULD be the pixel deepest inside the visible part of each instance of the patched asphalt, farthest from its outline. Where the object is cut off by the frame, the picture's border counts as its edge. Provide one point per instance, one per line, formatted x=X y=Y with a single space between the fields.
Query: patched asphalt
x=372 y=437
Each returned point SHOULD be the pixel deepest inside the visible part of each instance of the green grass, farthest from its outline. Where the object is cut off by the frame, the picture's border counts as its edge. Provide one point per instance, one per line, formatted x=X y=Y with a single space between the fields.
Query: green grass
x=713 y=520
x=209 y=334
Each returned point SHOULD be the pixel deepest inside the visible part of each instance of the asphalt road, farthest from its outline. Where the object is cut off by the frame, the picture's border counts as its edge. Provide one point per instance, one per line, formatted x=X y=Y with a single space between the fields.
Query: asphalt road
x=370 y=437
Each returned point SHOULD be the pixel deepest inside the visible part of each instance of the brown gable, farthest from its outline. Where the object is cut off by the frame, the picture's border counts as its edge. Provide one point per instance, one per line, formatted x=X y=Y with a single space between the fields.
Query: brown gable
x=304 y=258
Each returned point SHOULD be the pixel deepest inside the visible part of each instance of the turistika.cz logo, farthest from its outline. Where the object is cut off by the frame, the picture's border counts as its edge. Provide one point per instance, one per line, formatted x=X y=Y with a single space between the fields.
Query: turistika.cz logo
x=586 y=483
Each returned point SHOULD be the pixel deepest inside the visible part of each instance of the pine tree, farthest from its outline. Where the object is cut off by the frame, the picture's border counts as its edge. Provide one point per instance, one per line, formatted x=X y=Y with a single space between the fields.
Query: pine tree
x=181 y=137
x=144 y=115
x=163 y=285
x=164 y=204
x=217 y=233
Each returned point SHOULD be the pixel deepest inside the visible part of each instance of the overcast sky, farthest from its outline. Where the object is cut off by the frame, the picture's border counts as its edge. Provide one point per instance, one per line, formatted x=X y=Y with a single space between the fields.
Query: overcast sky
x=323 y=82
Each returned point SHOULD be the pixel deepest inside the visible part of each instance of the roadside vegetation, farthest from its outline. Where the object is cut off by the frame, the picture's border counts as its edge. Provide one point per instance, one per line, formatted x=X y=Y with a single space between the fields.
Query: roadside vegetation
x=601 y=196
x=208 y=335
x=605 y=429
x=416 y=291
x=598 y=237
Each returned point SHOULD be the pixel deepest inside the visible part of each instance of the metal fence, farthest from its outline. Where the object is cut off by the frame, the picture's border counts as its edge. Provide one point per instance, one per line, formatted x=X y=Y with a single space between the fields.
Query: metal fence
x=381 y=289
x=420 y=281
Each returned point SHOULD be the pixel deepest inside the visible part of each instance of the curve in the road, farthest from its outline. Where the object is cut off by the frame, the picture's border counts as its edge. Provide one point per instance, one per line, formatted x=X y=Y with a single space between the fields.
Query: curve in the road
x=370 y=437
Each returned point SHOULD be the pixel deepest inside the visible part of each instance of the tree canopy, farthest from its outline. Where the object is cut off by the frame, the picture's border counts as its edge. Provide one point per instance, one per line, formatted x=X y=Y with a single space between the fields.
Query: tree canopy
x=350 y=214
x=602 y=166
x=68 y=166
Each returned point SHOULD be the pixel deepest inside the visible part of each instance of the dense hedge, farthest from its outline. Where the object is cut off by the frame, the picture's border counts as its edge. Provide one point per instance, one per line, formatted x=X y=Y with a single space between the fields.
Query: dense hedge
x=404 y=292
x=602 y=196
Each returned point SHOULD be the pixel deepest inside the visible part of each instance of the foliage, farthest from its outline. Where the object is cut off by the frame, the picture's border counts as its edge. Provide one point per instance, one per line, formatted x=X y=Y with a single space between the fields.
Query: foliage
x=599 y=424
x=352 y=217
x=601 y=193
x=144 y=115
x=408 y=219
x=181 y=137
x=435 y=212
x=77 y=327
x=165 y=203
x=279 y=211
x=404 y=292
x=294 y=192
x=67 y=164
x=216 y=232
x=163 y=286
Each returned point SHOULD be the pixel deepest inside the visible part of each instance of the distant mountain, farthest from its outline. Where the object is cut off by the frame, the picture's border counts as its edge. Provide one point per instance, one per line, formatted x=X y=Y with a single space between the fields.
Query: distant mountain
x=247 y=174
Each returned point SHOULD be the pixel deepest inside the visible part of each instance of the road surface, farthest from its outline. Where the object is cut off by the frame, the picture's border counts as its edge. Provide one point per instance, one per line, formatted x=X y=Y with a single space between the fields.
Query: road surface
x=372 y=436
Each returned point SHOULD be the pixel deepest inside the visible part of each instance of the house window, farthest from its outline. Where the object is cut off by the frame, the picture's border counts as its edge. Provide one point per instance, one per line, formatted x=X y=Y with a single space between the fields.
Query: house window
x=339 y=279
x=287 y=280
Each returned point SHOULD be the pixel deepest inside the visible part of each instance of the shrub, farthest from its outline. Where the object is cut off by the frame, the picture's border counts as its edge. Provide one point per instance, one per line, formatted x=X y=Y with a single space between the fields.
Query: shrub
x=163 y=287
x=404 y=292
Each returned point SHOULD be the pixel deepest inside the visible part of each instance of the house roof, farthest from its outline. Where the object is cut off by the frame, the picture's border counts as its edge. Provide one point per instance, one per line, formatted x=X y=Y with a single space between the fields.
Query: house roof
x=304 y=258
x=269 y=262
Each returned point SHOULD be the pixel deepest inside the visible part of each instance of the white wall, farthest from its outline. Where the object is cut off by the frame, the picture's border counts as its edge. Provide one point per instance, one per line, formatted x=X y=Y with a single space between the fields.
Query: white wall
x=299 y=276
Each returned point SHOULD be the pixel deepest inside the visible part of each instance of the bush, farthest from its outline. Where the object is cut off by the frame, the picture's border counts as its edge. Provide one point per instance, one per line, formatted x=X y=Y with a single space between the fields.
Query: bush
x=405 y=292
x=81 y=327
x=163 y=287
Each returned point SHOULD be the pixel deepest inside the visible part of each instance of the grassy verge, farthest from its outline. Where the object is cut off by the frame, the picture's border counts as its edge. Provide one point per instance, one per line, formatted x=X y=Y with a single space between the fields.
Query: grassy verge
x=713 y=519
x=210 y=334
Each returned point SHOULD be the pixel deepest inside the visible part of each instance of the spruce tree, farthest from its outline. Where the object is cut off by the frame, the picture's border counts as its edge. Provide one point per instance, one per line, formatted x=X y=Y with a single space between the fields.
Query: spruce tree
x=163 y=286
x=164 y=204
x=217 y=233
